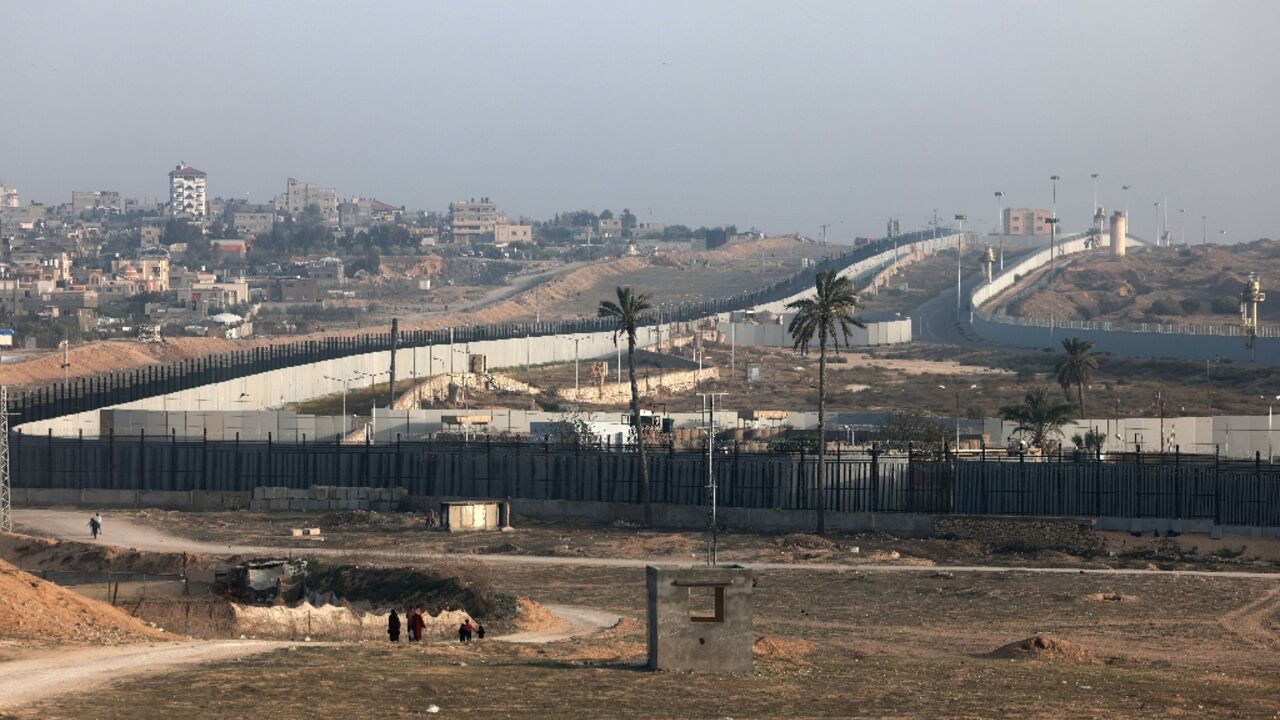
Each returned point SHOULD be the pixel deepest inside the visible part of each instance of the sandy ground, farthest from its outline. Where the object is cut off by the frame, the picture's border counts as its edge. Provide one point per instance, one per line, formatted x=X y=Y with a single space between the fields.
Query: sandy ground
x=66 y=524
x=579 y=621
x=56 y=673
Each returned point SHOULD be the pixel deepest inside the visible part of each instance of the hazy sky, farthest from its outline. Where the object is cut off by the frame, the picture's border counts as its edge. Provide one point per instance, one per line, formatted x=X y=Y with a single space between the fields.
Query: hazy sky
x=782 y=115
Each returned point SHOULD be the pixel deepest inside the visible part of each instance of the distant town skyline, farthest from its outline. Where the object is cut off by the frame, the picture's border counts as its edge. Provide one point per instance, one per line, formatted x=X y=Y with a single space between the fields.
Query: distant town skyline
x=760 y=114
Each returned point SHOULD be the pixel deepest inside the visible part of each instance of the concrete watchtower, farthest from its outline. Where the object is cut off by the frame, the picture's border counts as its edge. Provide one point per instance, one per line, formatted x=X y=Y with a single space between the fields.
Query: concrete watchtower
x=1119 y=226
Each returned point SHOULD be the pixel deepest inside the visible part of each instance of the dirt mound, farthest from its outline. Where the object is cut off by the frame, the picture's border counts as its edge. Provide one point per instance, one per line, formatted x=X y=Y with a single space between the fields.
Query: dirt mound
x=533 y=617
x=31 y=608
x=625 y=626
x=505 y=548
x=39 y=553
x=434 y=591
x=777 y=649
x=805 y=542
x=1046 y=648
x=332 y=622
x=1111 y=597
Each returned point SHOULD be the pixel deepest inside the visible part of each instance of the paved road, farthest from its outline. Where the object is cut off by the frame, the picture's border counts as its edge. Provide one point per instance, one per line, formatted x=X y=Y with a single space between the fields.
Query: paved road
x=68 y=524
x=52 y=674
x=935 y=319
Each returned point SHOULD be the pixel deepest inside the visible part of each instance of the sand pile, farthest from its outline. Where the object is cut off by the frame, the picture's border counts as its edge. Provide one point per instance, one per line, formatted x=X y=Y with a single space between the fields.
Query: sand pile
x=532 y=617
x=1045 y=648
x=31 y=608
x=332 y=622
x=777 y=649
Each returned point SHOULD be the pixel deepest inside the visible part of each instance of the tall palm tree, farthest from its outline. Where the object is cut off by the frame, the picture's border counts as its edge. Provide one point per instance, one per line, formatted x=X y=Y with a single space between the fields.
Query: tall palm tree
x=829 y=315
x=1076 y=368
x=1039 y=416
x=628 y=312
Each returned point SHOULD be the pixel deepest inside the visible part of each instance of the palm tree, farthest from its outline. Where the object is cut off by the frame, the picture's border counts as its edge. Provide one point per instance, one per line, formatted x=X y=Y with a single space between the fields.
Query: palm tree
x=1039 y=416
x=628 y=312
x=1076 y=368
x=829 y=316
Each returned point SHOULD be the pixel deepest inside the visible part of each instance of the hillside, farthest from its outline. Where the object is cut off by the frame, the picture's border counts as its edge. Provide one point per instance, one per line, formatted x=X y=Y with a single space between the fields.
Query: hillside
x=1201 y=284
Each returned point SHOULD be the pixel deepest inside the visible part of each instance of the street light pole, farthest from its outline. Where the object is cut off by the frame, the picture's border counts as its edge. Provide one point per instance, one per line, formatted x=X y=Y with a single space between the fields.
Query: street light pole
x=1053 y=252
x=1095 y=192
x=1000 y=223
x=960 y=217
x=1054 y=179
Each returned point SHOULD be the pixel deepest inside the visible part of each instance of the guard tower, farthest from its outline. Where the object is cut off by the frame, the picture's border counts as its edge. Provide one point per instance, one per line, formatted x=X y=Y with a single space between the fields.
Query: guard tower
x=1249 y=300
x=700 y=618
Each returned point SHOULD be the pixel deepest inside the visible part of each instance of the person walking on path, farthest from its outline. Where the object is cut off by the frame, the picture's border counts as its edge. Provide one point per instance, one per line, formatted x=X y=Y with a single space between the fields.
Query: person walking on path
x=95 y=526
x=393 y=626
x=98 y=517
x=480 y=631
x=416 y=624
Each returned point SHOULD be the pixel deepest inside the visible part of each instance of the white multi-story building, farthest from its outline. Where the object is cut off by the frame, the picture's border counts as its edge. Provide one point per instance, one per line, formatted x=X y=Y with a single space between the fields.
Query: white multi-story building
x=9 y=197
x=187 y=193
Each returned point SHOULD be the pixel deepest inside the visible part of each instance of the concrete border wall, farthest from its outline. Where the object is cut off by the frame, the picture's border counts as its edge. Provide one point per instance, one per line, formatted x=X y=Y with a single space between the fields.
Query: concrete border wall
x=864 y=270
x=307 y=382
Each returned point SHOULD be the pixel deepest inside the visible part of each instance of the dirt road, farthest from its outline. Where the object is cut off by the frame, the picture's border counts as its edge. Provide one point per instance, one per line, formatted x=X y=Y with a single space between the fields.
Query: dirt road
x=52 y=674
x=579 y=621
x=72 y=525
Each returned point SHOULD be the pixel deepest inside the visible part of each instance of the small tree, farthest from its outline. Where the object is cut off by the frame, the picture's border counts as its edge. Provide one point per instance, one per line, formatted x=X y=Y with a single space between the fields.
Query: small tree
x=1039 y=416
x=1076 y=368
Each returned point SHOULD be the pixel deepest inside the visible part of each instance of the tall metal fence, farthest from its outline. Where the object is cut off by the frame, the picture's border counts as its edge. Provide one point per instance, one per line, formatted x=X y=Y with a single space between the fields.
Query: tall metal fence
x=1226 y=493
x=107 y=389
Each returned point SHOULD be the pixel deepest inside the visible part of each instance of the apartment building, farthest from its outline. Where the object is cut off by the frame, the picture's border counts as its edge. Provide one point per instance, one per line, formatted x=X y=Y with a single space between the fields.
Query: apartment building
x=187 y=193
x=299 y=194
x=470 y=220
x=1021 y=221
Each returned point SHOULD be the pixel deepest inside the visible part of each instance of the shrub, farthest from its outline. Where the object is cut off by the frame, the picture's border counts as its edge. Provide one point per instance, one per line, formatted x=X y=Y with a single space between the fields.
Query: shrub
x=1164 y=306
x=1226 y=304
x=1190 y=305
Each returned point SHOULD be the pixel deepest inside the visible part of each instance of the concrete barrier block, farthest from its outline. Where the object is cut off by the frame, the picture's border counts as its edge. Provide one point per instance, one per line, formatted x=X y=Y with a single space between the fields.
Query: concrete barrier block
x=296 y=494
x=363 y=492
x=313 y=505
x=278 y=504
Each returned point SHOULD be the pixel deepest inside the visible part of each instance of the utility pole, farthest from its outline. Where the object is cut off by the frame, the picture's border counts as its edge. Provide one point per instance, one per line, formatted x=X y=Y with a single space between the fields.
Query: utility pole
x=6 y=506
x=1160 y=410
x=391 y=380
x=1000 y=224
x=960 y=217
x=709 y=404
x=1053 y=242
x=824 y=233
x=1095 y=192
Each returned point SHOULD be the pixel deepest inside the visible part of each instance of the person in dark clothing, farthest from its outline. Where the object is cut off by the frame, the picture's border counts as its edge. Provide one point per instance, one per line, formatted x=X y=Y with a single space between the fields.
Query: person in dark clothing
x=462 y=633
x=393 y=626
x=416 y=625
x=480 y=631
x=95 y=526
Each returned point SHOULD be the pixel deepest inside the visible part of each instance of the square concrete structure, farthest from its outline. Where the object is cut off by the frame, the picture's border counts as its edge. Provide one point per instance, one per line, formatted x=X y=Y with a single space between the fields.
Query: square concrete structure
x=700 y=618
x=471 y=515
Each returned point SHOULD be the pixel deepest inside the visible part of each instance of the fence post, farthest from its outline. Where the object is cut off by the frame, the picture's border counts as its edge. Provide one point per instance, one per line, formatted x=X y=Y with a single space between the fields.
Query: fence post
x=875 y=477
x=1177 y=481
x=142 y=457
x=1257 y=484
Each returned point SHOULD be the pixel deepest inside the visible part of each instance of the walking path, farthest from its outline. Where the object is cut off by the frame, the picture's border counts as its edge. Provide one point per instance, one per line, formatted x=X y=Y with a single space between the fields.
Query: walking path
x=73 y=525
x=52 y=674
